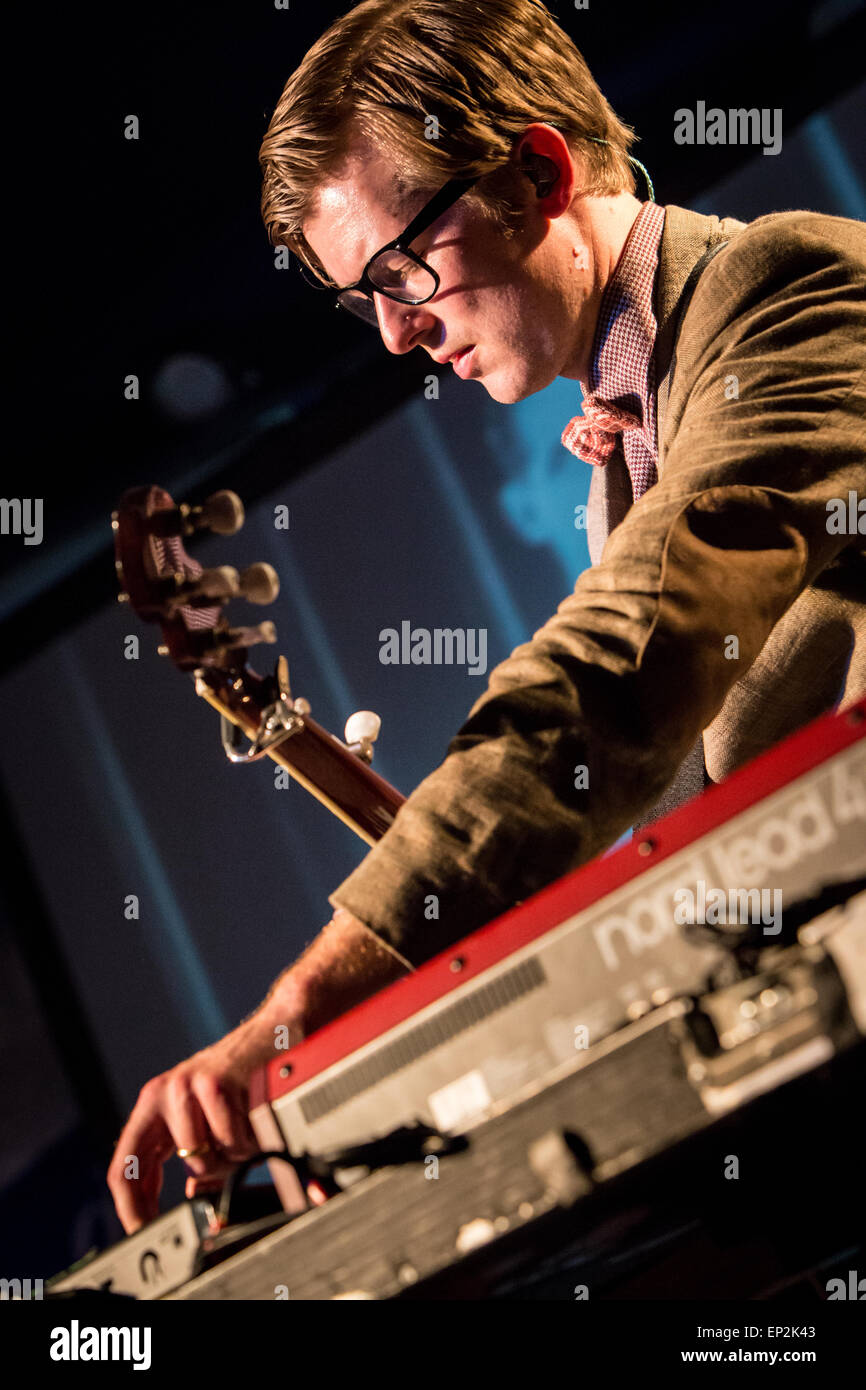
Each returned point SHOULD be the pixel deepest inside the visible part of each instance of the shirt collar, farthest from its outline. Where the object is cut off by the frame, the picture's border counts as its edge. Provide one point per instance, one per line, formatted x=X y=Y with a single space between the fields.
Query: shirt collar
x=626 y=329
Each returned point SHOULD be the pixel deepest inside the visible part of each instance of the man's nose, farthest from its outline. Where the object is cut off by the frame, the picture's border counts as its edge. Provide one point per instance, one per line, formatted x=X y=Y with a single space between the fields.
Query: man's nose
x=401 y=325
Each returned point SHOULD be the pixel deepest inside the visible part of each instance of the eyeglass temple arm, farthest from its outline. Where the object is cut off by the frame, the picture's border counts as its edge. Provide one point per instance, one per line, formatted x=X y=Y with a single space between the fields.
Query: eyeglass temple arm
x=441 y=201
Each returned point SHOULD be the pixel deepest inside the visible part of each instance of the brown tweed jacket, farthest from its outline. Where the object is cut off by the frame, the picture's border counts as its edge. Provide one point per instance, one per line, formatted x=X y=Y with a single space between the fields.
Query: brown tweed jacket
x=726 y=601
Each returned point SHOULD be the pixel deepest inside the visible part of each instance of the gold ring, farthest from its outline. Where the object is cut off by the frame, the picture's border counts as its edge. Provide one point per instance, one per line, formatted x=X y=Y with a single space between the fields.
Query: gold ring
x=194 y=1153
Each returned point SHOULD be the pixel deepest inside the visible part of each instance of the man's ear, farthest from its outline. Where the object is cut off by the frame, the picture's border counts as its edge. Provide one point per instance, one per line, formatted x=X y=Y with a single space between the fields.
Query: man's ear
x=542 y=172
x=544 y=157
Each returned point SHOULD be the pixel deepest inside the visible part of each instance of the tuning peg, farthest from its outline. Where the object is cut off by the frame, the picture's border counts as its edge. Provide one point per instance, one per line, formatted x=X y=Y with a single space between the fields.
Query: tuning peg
x=362 y=730
x=281 y=675
x=222 y=512
x=233 y=637
x=222 y=582
x=260 y=583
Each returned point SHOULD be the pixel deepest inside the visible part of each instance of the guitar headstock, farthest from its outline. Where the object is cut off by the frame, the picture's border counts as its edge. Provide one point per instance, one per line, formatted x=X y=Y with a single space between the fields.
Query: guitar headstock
x=165 y=585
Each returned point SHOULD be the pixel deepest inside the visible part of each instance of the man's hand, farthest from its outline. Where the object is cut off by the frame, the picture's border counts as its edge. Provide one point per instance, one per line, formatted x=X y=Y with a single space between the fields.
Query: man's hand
x=203 y=1102
x=200 y=1104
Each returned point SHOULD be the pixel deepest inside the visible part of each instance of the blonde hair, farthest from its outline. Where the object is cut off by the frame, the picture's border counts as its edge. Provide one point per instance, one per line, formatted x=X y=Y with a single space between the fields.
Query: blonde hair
x=484 y=69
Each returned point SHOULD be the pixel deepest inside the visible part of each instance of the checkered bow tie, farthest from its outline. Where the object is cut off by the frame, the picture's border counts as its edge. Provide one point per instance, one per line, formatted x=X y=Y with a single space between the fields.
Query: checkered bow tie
x=592 y=435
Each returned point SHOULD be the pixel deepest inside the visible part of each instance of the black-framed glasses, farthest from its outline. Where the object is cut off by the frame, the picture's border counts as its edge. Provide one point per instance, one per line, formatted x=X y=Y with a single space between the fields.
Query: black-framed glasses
x=394 y=270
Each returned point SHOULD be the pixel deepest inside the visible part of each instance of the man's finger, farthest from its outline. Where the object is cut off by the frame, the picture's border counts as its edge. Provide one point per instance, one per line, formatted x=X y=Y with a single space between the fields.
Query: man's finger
x=188 y=1126
x=135 y=1174
x=225 y=1112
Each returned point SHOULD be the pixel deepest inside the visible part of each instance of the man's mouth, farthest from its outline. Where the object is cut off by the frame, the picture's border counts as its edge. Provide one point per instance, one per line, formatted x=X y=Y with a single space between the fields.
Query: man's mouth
x=462 y=361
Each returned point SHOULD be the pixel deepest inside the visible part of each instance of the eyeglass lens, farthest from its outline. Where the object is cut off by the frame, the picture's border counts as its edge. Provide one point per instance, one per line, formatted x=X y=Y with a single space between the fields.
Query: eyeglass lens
x=397 y=275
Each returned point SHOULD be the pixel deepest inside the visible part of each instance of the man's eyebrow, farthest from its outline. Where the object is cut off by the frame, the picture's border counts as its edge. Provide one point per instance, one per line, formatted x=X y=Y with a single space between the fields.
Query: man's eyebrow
x=403 y=200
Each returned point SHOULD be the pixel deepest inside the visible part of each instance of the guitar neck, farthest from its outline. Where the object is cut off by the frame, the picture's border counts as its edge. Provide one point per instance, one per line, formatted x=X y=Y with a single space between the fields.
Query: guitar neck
x=349 y=787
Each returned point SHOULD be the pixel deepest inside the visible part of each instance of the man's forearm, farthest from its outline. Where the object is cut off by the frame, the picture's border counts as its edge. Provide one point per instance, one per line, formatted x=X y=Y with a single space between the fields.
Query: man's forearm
x=343 y=966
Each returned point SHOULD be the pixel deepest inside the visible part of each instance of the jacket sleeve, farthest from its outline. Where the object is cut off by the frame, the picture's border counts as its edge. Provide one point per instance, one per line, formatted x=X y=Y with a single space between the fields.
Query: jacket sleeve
x=582 y=728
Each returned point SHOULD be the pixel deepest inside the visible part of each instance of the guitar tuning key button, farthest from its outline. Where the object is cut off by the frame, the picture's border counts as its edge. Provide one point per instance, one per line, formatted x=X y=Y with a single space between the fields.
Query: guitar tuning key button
x=260 y=583
x=362 y=730
x=234 y=637
x=364 y=724
x=223 y=582
x=209 y=588
x=281 y=676
x=222 y=512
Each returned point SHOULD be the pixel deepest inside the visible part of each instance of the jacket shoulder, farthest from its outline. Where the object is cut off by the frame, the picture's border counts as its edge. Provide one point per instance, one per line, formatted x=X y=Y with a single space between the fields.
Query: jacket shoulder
x=787 y=244
x=808 y=262
x=783 y=306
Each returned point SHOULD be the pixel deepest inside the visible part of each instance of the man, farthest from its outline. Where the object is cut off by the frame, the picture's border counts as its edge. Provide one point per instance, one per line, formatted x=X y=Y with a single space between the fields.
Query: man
x=722 y=367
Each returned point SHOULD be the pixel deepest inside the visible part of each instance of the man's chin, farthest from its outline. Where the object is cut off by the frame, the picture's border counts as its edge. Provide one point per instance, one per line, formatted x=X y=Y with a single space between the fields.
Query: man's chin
x=515 y=381
x=508 y=392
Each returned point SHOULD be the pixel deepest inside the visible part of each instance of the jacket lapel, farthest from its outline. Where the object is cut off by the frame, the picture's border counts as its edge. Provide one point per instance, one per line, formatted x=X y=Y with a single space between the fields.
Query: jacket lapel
x=686 y=239
x=610 y=496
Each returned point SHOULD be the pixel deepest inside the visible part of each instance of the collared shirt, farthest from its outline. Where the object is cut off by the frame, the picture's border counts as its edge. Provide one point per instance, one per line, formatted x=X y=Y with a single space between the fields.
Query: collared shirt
x=621 y=371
